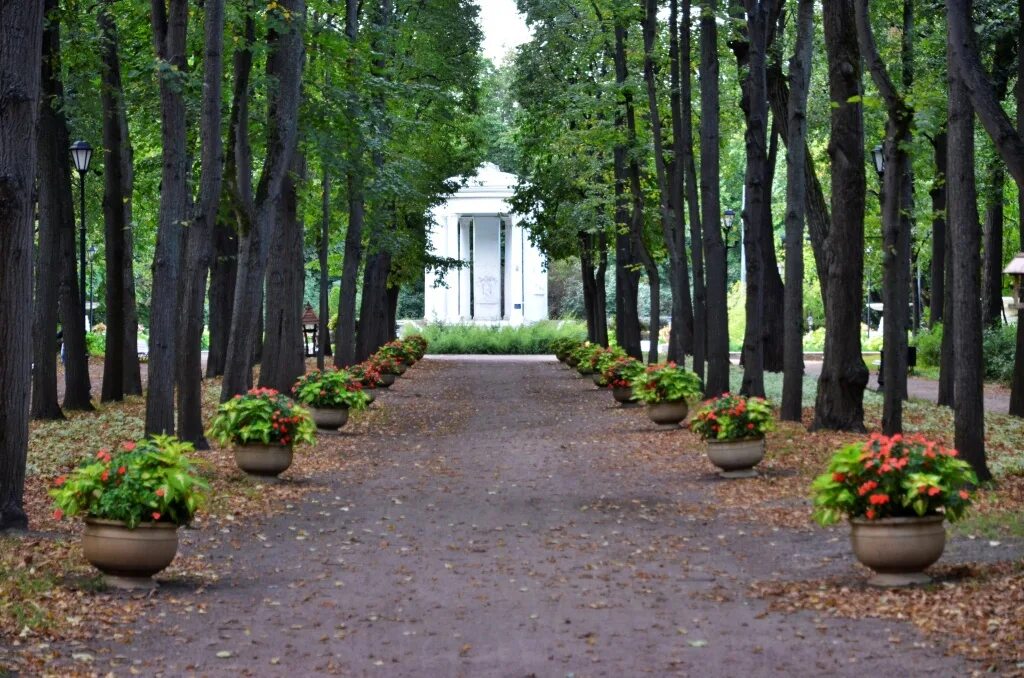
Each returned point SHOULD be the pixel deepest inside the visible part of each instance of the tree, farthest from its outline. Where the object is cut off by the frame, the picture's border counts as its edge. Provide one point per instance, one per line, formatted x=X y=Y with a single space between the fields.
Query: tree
x=284 y=70
x=170 y=24
x=21 y=32
x=840 y=401
x=714 y=249
x=896 y=226
x=199 y=236
x=796 y=197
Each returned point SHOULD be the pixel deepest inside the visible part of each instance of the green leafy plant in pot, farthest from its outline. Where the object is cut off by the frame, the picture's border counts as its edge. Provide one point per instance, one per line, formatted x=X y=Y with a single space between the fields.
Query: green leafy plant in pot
x=583 y=357
x=896 y=492
x=600 y=361
x=619 y=375
x=666 y=388
x=263 y=425
x=329 y=395
x=133 y=500
x=734 y=428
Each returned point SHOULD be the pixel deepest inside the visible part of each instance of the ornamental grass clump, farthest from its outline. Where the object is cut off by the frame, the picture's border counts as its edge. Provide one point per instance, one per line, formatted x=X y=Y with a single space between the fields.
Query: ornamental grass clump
x=149 y=481
x=667 y=383
x=330 y=389
x=262 y=416
x=622 y=372
x=893 y=477
x=733 y=417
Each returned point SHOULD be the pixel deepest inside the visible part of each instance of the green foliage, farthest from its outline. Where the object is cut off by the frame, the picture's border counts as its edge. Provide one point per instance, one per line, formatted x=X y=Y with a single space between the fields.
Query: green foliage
x=535 y=339
x=331 y=388
x=893 y=477
x=667 y=382
x=929 y=346
x=149 y=481
x=385 y=364
x=263 y=415
x=584 y=357
x=603 y=359
x=96 y=343
x=999 y=347
x=366 y=373
x=397 y=350
x=622 y=372
x=733 y=417
x=563 y=346
x=736 y=303
x=417 y=345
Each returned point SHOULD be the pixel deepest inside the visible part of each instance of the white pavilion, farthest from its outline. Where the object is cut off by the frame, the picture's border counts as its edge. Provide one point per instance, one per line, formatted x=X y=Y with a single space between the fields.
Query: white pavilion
x=505 y=278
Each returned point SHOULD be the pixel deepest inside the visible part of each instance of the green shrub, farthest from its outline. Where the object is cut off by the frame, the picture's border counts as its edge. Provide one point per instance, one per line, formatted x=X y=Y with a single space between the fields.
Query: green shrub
x=999 y=345
x=96 y=343
x=815 y=340
x=929 y=346
x=535 y=339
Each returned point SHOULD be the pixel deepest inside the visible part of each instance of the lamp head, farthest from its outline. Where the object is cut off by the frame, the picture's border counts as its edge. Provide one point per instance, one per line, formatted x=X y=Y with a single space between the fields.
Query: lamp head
x=81 y=154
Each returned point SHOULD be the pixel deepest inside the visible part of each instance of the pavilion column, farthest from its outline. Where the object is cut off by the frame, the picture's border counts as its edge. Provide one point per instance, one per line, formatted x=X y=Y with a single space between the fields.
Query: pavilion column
x=514 y=265
x=465 y=278
x=434 y=298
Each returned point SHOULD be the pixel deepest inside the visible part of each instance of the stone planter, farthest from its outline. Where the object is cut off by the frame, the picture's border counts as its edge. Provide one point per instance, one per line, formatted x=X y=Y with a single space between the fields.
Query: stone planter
x=263 y=460
x=667 y=413
x=386 y=380
x=624 y=395
x=598 y=379
x=898 y=549
x=585 y=371
x=571 y=361
x=371 y=393
x=128 y=558
x=402 y=367
x=736 y=458
x=329 y=418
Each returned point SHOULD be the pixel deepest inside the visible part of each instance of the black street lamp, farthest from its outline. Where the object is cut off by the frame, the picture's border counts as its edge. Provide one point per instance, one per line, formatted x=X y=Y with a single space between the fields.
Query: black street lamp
x=81 y=154
x=728 y=217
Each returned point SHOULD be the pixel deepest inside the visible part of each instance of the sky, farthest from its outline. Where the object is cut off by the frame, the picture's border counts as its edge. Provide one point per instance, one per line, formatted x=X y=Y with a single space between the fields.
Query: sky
x=503 y=28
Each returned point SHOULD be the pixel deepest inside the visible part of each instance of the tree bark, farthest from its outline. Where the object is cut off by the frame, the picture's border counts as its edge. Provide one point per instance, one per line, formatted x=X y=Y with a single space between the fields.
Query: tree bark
x=670 y=190
x=345 y=352
x=374 y=331
x=714 y=249
x=284 y=71
x=52 y=161
x=323 y=336
x=840 y=400
x=284 y=350
x=684 y=155
x=170 y=25
x=21 y=31
x=969 y=406
x=1017 y=386
x=937 y=294
x=117 y=217
x=896 y=228
x=199 y=237
x=796 y=204
x=593 y=273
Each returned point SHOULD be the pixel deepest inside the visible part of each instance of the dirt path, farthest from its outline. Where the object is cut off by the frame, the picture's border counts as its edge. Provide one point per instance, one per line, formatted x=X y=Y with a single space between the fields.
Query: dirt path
x=505 y=531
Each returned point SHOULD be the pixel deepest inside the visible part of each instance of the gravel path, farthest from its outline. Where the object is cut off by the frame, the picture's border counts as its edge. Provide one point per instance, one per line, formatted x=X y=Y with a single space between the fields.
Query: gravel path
x=503 y=532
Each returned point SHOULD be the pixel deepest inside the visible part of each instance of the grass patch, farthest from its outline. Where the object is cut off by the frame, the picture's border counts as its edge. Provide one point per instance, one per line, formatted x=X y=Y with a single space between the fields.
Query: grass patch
x=532 y=339
x=995 y=525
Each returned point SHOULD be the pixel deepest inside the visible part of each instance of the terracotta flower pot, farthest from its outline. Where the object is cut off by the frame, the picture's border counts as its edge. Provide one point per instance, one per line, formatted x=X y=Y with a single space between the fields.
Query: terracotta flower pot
x=386 y=380
x=329 y=418
x=898 y=549
x=736 y=458
x=667 y=413
x=263 y=460
x=624 y=395
x=129 y=557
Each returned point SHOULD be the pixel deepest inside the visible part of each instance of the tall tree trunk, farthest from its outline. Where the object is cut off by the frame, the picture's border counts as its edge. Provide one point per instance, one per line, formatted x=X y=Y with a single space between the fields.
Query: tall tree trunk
x=670 y=190
x=593 y=272
x=753 y=54
x=345 y=352
x=52 y=161
x=21 y=31
x=796 y=203
x=937 y=295
x=374 y=330
x=774 y=291
x=169 y=31
x=840 y=400
x=199 y=238
x=284 y=350
x=896 y=228
x=969 y=406
x=117 y=189
x=947 y=361
x=714 y=249
x=323 y=338
x=223 y=271
x=1017 y=387
x=284 y=71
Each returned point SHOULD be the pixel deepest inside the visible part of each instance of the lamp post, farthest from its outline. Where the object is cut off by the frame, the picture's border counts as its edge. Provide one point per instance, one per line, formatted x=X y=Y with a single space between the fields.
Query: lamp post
x=878 y=155
x=81 y=154
x=728 y=215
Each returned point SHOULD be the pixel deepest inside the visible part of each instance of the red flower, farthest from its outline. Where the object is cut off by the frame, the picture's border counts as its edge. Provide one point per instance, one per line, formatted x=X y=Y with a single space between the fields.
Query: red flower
x=964 y=494
x=932 y=491
x=870 y=514
x=156 y=515
x=867 y=487
x=750 y=426
x=160 y=492
x=128 y=446
x=879 y=499
x=104 y=476
x=122 y=471
x=58 y=514
x=839 y=477
x=60 y=481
